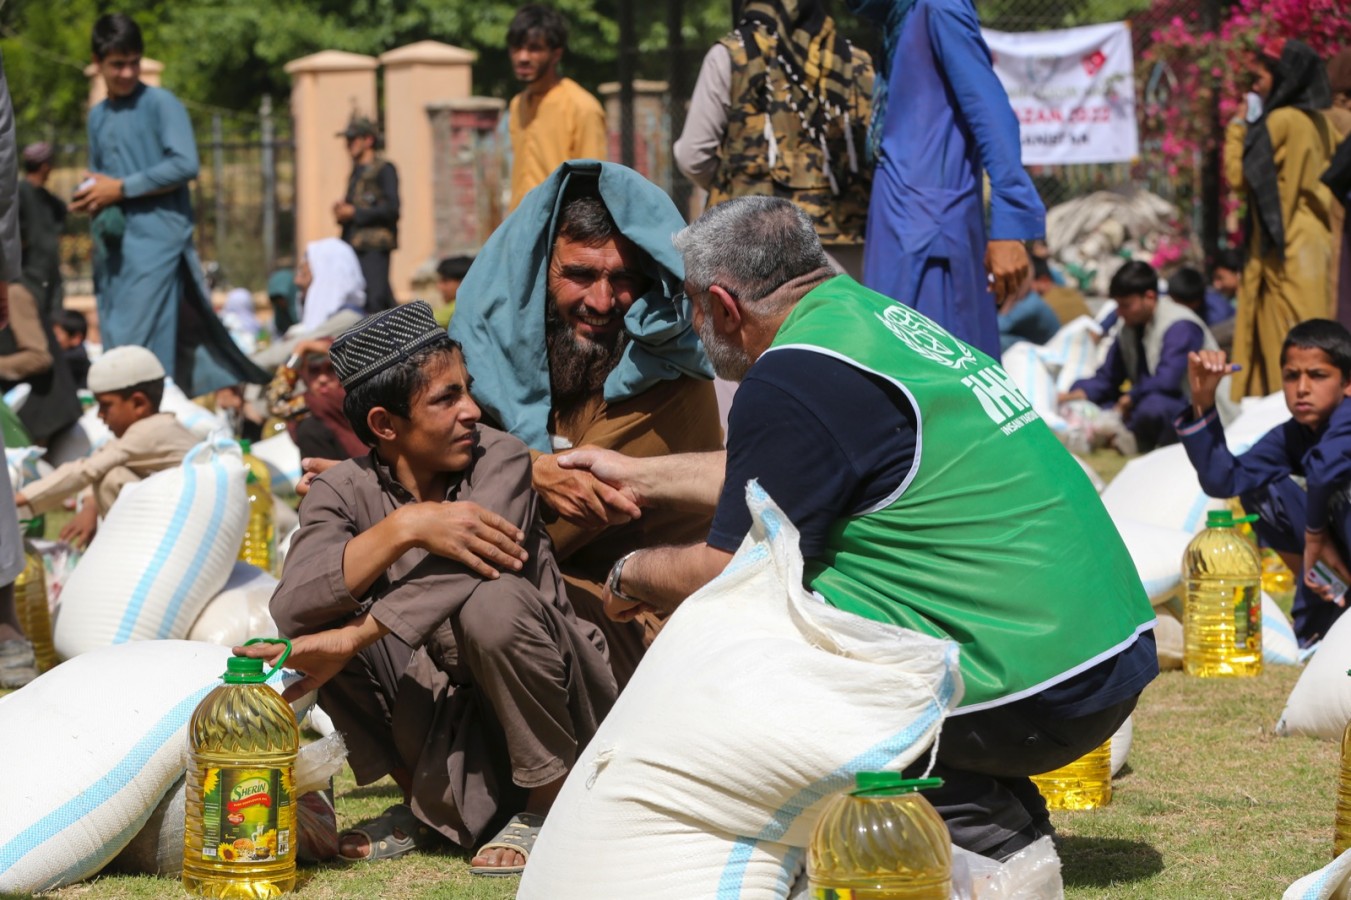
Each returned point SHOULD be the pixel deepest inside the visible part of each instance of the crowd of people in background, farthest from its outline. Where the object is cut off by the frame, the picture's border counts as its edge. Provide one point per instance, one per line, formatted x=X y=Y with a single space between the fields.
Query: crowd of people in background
x=509 y=490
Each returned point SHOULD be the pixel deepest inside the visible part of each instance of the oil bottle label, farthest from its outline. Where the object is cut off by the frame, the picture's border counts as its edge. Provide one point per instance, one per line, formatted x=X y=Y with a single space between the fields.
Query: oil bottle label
x=242 y=809
x=826 y=893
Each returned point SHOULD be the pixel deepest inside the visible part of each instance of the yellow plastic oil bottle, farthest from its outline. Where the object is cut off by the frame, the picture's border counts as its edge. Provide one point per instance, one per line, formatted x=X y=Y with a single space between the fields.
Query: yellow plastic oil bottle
x=30 y=599
x=1342 y=834
x=240 y=835
x=260 y=537
x=1085 y=783
x=880 y=841
x=1222 y=603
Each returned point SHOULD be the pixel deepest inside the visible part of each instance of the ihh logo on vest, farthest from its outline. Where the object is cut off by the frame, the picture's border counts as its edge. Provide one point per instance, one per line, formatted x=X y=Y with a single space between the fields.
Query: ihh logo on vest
x=926 y=338
x=1000 y=398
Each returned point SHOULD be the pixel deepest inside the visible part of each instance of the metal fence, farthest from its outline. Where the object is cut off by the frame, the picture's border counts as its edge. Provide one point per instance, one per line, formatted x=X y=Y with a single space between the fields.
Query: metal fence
x=243 y=198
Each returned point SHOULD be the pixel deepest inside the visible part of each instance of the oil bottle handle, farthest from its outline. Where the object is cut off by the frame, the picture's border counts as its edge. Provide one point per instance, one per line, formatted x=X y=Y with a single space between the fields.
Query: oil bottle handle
x=281 y=661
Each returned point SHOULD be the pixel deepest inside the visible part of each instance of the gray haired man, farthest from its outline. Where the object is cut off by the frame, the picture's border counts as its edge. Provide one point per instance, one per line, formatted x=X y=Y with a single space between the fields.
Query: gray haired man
x=927 y=494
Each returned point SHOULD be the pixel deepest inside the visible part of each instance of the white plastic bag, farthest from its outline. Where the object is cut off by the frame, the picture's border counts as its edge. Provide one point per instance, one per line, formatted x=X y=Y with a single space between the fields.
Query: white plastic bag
x=756 y=702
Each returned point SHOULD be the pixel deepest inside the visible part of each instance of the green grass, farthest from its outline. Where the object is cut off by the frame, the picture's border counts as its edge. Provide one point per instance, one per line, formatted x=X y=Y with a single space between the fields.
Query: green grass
x=1211 y=804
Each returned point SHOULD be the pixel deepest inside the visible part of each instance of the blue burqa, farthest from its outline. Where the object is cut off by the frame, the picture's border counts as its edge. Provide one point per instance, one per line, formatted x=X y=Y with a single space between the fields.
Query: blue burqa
x=500 y=307
x=944 y=120
x=147 y=277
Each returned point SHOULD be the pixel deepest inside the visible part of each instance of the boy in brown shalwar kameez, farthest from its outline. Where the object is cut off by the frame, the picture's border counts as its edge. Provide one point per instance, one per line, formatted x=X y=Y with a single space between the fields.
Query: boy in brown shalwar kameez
x=425 y=604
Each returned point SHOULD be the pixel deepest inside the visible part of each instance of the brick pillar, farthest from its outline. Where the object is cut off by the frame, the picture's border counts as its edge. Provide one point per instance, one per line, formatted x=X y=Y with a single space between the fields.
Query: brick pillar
x=469 y=177
x=151 y=72
x=416 y=75
x=326 y=90
x=652 y=138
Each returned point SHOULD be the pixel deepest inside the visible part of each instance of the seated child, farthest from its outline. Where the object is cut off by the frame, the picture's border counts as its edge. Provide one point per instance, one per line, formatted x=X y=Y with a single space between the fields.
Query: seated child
x=1303 y=524
x=449 y=273
x=71 y=329
x=1150 y=351
x=128 y=384
x=1188 y=287
x=1066 y=302
x=446 y=654
x=1027 y=317
x=29 y=355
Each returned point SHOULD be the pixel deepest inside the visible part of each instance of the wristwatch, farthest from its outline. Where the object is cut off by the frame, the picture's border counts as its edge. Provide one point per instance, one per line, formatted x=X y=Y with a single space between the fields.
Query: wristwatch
x=616 y=574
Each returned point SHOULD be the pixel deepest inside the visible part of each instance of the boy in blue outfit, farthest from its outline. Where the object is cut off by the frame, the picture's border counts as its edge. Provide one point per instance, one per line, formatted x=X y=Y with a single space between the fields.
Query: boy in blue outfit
x=1304 y=524
x=1150 y=352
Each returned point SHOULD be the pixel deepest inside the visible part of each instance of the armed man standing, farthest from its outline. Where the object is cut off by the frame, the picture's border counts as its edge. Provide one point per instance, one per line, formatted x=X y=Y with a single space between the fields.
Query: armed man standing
x=369 y=214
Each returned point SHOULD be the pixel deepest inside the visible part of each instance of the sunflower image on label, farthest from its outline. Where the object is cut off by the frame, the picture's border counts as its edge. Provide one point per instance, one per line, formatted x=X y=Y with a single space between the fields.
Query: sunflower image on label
x=247 y=816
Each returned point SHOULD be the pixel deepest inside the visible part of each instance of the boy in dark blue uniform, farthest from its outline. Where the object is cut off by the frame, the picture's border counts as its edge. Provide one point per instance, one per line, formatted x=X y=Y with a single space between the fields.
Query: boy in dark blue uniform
x=1304 y=524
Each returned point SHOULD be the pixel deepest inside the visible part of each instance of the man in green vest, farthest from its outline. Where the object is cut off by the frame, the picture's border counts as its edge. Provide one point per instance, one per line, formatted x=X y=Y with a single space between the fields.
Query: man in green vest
x=928 y=494
x=369 y=213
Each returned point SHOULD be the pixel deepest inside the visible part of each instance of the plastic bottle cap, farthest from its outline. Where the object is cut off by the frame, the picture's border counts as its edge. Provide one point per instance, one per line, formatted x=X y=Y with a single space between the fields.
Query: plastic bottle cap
x=870 y=783
x=245 y=445
x=1224 y=518
x=243 y=670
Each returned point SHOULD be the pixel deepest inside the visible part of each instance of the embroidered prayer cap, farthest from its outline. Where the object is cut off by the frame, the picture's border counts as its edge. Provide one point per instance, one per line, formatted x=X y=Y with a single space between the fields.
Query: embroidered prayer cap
x=39 y=153
x=382 y=340
x=124 y=367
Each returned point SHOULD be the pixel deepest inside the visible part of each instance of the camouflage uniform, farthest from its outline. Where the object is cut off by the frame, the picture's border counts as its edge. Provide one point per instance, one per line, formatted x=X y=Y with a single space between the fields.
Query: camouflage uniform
x=367 y=194
x=373 y=242
x=798 y=171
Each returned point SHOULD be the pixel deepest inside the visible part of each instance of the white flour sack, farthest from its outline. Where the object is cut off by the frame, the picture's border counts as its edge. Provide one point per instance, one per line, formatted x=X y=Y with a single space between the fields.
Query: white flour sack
x=165 y=549
x=282 y=458
x=239 y=611
x=90 y=749
x=756 y=703
x=1160 y=488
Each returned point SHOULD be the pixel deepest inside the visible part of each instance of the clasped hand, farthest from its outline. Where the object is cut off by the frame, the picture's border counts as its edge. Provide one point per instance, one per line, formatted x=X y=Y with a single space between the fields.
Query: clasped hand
x=583 y=497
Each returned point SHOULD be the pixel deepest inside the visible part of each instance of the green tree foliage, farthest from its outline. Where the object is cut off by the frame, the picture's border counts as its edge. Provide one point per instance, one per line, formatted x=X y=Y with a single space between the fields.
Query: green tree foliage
x=229 y=53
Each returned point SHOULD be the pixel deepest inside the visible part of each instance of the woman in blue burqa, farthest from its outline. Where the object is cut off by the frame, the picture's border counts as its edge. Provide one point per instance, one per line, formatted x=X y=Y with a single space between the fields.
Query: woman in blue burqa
x=941 y=119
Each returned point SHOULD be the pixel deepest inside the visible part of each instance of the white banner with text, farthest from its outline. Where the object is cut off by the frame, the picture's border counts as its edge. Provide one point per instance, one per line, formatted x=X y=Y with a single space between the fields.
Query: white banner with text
x=1073 y=91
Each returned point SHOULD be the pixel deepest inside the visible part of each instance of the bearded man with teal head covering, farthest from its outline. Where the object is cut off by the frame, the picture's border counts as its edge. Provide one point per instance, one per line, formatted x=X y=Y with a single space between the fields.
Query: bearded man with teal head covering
x=576 y=331
x=941 y=120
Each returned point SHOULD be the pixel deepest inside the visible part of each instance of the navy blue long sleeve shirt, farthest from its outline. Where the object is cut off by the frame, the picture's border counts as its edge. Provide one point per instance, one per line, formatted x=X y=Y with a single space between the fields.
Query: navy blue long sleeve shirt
x=1322 y=458
x=1104 y=386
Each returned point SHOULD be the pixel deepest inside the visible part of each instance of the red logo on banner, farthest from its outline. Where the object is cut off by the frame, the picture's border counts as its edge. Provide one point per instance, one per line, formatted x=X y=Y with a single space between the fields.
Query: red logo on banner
x=1094 y=62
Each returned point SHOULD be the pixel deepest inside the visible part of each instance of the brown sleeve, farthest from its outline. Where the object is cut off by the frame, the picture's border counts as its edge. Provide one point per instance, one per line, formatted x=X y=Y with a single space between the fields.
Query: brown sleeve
x=679 y=416
x=415 y=606
x=32 y=356
x=312 y=595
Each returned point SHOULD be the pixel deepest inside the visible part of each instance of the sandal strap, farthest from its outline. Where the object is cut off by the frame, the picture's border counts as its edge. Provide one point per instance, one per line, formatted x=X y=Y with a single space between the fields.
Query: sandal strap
x=519 y=834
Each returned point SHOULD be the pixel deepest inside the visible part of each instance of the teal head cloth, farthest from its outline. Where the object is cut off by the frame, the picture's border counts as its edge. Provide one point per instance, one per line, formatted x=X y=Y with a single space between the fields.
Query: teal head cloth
x=500 y=307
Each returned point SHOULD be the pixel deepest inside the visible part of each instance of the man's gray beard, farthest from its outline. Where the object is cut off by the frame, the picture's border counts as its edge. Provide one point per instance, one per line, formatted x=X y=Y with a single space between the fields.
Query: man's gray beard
x=730 y=362
x=578 y=366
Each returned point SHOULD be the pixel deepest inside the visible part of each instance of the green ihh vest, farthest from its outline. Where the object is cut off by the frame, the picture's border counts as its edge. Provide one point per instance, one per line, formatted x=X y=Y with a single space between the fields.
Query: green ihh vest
x=996 y=538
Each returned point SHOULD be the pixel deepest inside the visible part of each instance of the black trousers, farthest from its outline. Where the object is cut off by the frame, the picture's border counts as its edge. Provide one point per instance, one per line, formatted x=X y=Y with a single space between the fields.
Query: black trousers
x=1282 y=508
x=375 y=269
x=985 y=758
